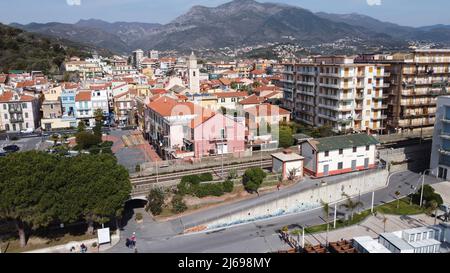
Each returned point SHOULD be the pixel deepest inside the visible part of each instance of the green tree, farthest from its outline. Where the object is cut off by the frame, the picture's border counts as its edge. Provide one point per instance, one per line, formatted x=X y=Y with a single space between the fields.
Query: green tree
x=98 y=115
x=350 y=204
x=26 y=194
x=286 y=137
x=81 y=126
x=86 y=140
x=178 y=205
x=253 y=178
x=397 y=195
x=155 y=201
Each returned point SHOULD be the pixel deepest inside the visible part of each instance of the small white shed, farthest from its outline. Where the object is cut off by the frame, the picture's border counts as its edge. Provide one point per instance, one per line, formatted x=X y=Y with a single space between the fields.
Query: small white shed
x=287 y=163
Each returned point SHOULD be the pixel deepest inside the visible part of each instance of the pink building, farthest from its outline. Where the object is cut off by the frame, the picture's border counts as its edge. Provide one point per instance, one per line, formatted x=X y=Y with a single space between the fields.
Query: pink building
x=217 y=134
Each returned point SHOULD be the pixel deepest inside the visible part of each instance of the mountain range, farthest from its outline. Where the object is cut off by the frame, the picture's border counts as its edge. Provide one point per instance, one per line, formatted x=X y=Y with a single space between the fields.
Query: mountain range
x=240 y=23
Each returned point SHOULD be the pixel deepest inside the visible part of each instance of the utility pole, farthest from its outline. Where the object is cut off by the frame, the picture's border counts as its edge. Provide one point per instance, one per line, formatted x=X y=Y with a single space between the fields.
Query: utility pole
x=303 y=237
x=373 y=197
x=421 y=191
x=335 y=216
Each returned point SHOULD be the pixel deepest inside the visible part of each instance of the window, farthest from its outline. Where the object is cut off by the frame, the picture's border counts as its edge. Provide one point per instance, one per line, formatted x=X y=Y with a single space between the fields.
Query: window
x=51 y=106
x=355 y=149
x=368 y=102
x=367 y=147
x=4 y=106
x=26 y=115
x=370 y=69
x=313 y=152
x=341 y=151
x=327 y=153
x=222 y=100
x=24 y=105
x=26 y=125
x=369 y=91
x=233 y=99
x=193 y=73
x=6 y=116
x=370 y=81
x=340 y=165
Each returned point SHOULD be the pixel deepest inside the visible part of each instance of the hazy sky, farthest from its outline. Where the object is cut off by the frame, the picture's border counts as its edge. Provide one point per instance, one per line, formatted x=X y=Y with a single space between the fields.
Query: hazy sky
x=404 y=12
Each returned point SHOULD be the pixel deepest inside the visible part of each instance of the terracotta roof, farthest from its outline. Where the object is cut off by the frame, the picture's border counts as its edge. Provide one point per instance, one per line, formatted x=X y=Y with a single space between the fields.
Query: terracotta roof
x=8 y=97
x=181 y=97
x=274 y=93
x=166 y=107
x=25 y=84
x=231 y=94
x=70 y=85
x=205 y=115
x=98 y=87
x=258 y=72
x=225 y=81
x=253 y=99
x=266 y=88
x=158 y=91
x=266 y=110
x=83 y=96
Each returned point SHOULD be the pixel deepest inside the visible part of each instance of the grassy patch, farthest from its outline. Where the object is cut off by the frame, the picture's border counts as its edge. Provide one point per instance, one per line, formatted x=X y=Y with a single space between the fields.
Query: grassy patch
x=404 y=208
x=357 y=218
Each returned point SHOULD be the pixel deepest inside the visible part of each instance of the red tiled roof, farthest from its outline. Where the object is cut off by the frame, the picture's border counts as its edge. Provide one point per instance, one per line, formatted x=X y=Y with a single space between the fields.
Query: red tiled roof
x=266 y=88
x=253 y=99
x=266 y=110
x=258 y=72
x=225 y=81
x=274 y=93
x=231 y=94
x=8 y=97
x=205 y=114
x=157 y=91
x=165 y=106
x=83 y=96
x=25 y=84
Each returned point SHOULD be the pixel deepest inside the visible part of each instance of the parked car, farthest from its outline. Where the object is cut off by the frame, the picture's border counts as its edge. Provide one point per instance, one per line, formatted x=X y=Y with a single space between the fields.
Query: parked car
x=11 y=148
x=27 y=131
x=3 y=154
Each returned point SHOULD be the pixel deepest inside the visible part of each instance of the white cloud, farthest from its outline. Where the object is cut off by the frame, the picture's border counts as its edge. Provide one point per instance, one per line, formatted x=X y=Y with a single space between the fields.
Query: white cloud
x=73 y=2
x=374 y=2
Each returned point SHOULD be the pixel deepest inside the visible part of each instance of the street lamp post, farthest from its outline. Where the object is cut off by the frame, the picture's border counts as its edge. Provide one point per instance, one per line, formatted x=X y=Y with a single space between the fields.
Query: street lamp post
x=335 y=216
x=373 y=197
x=423 y=182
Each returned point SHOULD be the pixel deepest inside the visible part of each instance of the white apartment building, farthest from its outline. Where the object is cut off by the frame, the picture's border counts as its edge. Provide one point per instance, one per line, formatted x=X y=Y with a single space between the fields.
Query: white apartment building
x=83 y=106
x=440 y=149
x=339 y=154
x=417 y=240
x=18 y=112
x=337 y=92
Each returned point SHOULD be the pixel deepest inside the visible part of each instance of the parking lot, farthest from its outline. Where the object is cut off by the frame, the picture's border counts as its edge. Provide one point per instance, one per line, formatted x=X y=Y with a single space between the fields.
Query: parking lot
x=27 y=144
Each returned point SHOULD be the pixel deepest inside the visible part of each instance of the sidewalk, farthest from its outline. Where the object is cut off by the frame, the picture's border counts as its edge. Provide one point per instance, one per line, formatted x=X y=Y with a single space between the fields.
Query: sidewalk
x=372 y=227
x=115 y=238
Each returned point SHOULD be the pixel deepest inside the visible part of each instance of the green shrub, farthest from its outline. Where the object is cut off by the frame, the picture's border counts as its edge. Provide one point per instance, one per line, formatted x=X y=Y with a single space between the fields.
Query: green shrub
x=253 y=178
x=155 y=201
x=178 y=205
x=228 y=186
x=206 y=177
x=429 y=195
x=139 y=216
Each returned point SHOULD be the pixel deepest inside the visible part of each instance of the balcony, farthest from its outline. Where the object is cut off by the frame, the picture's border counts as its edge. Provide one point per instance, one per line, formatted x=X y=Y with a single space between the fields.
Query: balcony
x=444 y=151
x=379 y=117
x=386 y=85
x=15 y=110
x=306 y=83
x=328 y=117
x=16 y=119
x=445 y=120
x=380 y=107
x=445 y=135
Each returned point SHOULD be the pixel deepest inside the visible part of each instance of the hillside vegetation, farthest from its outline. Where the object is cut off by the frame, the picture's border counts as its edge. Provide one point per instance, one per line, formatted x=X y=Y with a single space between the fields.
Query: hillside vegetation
x=29 y=51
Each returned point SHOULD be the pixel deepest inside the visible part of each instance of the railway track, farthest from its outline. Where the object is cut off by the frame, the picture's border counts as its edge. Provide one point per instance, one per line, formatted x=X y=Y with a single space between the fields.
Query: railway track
x=142 y=185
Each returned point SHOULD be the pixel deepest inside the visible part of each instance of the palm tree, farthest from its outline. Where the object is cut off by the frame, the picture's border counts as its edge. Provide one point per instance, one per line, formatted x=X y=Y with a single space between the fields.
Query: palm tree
x=326 y=214
x=350 y=204
x=397 y=195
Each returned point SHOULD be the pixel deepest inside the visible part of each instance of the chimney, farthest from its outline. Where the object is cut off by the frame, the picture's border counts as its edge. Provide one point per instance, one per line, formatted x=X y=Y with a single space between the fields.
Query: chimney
x=287 y=151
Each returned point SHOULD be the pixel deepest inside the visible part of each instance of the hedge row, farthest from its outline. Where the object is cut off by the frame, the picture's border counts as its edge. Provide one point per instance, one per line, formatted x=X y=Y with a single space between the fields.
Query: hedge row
x=192 y=185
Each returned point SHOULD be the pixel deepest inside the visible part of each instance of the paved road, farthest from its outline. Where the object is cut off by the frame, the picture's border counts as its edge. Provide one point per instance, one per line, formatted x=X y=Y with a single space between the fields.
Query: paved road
x=251 y=237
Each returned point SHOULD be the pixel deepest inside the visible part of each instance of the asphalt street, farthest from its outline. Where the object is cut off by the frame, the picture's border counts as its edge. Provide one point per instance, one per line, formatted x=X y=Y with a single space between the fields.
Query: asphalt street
x=255 y=237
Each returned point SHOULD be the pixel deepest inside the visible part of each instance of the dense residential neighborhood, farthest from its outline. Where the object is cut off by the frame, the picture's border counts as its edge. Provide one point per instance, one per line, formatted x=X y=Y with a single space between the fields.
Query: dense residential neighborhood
x=140 y=145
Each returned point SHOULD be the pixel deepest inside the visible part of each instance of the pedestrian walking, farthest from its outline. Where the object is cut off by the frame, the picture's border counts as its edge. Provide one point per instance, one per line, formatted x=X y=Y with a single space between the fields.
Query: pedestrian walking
x=133 y=239
x=128 y=243
x=278 y=186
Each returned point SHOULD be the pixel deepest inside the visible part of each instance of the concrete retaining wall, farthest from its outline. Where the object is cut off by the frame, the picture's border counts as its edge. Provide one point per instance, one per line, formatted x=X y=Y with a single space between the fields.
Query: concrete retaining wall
x=307 y=199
